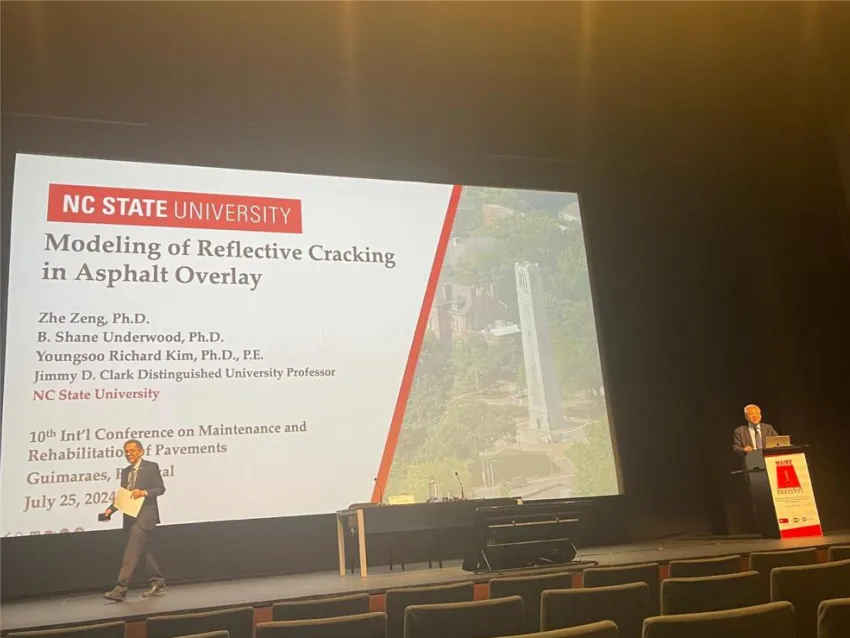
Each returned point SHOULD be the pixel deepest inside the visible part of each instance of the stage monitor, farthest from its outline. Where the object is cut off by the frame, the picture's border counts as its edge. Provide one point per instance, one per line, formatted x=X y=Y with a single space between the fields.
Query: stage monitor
x=287 y=344
x=526 y=535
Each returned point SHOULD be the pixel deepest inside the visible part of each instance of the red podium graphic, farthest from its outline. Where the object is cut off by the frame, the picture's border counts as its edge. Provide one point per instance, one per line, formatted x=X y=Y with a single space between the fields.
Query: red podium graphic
x=793 y=495
x=786 y=475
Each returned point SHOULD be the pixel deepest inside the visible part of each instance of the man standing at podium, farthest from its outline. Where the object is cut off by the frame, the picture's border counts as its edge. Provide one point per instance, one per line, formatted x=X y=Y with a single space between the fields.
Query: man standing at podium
x=751 y=436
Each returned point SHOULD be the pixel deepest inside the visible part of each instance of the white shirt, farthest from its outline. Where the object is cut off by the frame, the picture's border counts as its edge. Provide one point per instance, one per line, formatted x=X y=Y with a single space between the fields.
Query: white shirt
x=753 y=435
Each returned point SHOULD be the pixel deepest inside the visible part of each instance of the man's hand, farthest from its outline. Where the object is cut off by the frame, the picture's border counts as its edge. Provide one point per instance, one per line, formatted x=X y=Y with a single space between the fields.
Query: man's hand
x=138 y=494
x=107 y=514
x=747 y=448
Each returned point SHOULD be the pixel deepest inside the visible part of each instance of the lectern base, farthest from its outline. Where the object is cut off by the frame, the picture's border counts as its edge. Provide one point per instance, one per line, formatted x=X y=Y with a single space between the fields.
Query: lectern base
x=764 y=511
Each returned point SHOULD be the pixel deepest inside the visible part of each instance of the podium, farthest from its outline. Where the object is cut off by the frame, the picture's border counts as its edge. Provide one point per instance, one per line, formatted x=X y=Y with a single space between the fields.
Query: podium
x=781 y=491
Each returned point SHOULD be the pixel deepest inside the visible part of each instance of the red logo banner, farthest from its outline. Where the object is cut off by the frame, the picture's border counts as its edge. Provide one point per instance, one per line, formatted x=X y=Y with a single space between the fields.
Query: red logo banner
x=786 y=476
x=174 y=209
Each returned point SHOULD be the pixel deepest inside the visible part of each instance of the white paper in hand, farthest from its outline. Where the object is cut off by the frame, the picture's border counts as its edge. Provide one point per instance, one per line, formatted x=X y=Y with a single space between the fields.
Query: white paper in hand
x=126 y=503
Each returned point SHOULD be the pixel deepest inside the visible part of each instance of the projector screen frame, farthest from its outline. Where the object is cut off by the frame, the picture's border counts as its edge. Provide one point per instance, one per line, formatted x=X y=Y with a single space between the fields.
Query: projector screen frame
x=88 y=140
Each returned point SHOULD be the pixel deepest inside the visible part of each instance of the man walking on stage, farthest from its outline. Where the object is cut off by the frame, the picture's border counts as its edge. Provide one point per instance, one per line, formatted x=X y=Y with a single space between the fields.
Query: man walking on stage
x=751 y=436
x=144 y=480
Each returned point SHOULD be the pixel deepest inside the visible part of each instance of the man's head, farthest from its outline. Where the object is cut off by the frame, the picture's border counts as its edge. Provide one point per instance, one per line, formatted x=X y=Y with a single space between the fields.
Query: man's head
x=133 y=451
x=753 y=414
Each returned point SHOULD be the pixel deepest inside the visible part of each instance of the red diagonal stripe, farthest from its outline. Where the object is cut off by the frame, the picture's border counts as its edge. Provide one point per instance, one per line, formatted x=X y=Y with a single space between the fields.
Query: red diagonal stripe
x=416 y=346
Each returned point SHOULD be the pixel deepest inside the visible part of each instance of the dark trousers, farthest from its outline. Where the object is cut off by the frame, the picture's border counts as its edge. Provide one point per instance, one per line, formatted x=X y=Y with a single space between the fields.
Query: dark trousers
x=138 y=545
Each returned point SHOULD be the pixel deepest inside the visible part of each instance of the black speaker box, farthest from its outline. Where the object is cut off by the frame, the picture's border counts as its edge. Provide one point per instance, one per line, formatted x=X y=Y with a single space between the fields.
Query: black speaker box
x=528 y=554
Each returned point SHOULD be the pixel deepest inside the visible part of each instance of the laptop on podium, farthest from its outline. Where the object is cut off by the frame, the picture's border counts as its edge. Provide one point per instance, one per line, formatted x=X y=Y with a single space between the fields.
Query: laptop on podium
x=780 y=440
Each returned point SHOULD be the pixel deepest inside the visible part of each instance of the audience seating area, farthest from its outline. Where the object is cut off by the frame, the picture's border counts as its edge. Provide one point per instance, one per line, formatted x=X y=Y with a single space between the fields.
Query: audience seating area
x=239 y=622
x=834 y=618
x=717 y=566
x=398 y=600
x=839 y=552
x=647 y=573
x=765 y=562
x=530 y=588
x=479 y=619
x=371 y=625
x=104 y=630
x=784 y=595
x=773 y=620
x=627 y=605
x=604 y=629
x=712 y=593
x=806 y=587
x=321 y=608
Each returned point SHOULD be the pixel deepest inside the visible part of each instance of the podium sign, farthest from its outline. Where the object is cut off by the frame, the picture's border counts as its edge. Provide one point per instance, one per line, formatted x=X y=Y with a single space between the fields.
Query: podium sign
x=793 y=496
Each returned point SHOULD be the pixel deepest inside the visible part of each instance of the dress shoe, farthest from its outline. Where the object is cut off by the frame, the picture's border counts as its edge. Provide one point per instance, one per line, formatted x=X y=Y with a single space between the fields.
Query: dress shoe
x=156 y=588
x=117 y=595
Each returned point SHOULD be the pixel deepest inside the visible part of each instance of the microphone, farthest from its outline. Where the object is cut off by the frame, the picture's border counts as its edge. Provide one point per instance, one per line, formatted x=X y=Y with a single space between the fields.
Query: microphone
x=457 y=476
x=380 y=491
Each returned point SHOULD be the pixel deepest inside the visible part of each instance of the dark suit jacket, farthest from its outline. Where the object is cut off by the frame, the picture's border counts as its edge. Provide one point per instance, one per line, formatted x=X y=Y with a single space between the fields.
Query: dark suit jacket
x=742 y=438
x=149 y=479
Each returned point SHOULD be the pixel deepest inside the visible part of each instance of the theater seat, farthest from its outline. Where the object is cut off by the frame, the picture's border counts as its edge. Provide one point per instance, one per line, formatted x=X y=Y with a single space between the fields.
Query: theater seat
x=705 y=567
x=839 y=552
x=321 y=608
x=644 y=573
x=834 y=618
x=530 y=588
x=772 y=620
x=238 y=621
x=604 y=629
x=103 y=630
x=478 y=619
x=398 y=600
x=764 y=562
x=209 y=634
x=712 y=593
x=372 y=625
x=806 y=587
x=625 y=605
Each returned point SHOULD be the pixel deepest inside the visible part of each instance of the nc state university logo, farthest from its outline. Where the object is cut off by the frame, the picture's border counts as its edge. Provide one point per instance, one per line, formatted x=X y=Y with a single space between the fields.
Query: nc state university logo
x=786 y=476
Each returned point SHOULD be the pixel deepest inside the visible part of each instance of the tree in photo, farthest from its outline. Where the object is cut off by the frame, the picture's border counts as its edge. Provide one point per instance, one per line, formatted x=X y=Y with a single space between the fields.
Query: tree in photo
x=505 y=359
x=480 y=366
x=534 y=236
x=576 y=351
x=596 y=471
x=469 y=427
x=413 y=479
x=428 y=398
x=472 y=366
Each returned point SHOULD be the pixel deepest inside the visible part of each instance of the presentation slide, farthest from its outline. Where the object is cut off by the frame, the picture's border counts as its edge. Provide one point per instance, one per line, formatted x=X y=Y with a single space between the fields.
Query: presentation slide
x=287 y=344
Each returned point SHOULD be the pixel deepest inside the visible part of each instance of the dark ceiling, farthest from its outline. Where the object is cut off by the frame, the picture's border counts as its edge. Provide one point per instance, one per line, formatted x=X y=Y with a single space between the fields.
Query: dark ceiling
x=566 y=84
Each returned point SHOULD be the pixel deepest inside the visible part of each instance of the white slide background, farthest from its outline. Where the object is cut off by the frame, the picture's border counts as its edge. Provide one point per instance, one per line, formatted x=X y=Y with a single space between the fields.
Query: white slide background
x=356 y=318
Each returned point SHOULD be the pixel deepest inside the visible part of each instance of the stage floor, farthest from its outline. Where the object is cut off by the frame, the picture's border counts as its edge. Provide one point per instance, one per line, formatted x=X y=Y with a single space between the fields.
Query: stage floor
x=262 y=592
